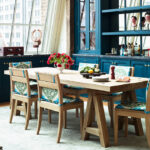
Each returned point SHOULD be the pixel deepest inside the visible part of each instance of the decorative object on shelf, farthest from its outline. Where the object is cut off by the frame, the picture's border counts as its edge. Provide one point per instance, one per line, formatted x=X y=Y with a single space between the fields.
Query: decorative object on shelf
x=36 y=38
x=61 y=61
x=143 y=21
x=11 y=51
x=134 y=21
x=147 y=18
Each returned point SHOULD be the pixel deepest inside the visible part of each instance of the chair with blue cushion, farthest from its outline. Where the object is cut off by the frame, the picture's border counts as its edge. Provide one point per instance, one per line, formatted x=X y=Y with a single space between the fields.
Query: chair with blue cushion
x=120 y=71
x=136 y=110
x=21 y=92
x=50 y=96
x=33 y=83
x=78 y=91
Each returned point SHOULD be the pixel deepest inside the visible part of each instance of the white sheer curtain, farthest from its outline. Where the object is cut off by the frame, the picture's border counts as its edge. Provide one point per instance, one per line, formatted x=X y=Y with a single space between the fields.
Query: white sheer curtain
x=56 y=40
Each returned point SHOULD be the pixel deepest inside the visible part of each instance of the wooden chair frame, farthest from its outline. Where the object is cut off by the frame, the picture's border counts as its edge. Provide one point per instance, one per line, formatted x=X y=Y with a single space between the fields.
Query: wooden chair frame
x=21 y=75
x=46 y=80
x=133 y=113
x=18 y=103
x=112 y=98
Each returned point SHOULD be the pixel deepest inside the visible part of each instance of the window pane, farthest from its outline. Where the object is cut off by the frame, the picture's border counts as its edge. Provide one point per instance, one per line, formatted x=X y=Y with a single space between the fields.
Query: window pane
x=6 y=11
x=146 y=2
x=20 y=36
x=92 y=41
x=121 y=3
x=92 y=14
x=82 y=15
x=121 y=22
x=39 y=11
x=82 y=38
x=132 y=3
x=146 y=45
x=30 y=44
x=5 y=35
x=23 y=11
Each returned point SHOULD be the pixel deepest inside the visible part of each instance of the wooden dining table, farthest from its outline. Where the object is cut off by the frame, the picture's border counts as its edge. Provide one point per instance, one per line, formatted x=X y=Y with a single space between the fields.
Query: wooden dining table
x=95 y=103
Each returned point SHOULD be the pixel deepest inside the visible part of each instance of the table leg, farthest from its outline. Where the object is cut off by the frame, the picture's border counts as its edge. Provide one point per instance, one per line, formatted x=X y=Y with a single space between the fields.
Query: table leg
x=101 y=121
x=87 y=119
x=101 y=131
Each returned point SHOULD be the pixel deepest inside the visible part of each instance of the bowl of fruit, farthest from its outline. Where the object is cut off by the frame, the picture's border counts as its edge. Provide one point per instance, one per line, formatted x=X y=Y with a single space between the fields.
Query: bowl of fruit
x=88 y=72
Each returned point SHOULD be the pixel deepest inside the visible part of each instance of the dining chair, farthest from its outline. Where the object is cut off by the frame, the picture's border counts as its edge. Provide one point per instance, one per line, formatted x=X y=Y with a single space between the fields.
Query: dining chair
x=120 y=71
x=136 y=110
x=78 y=91
x=50 y=96
x=32 y=83
x=21 y=92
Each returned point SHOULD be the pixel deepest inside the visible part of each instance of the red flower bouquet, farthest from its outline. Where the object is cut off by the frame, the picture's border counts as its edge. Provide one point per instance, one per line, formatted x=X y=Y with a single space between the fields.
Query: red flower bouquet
x=60 y=60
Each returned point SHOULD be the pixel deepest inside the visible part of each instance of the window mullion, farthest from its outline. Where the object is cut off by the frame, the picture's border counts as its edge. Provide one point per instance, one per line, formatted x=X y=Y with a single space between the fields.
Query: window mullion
x=12 y=25
x=32 y=7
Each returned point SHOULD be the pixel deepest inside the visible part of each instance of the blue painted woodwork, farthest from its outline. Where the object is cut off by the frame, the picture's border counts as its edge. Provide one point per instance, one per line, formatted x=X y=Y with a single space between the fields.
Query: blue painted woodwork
x=127 y=33
x=140 y=71
x=105 y=64
x=127 y=10
x=87 y=31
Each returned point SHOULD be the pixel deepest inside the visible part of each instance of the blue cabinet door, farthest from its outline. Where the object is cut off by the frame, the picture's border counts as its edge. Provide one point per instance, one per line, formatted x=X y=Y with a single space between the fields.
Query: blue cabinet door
x=105 y=64
x=140 y=70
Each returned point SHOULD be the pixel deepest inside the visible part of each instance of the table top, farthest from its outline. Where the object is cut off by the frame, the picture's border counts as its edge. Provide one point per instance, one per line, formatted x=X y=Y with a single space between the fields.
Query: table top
x=72 y=77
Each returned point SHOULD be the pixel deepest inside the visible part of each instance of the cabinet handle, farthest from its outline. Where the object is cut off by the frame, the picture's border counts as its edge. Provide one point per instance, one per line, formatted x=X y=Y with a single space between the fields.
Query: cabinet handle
x=148 y=65
x=145 y=65
x=5 y=63
x=114 y=63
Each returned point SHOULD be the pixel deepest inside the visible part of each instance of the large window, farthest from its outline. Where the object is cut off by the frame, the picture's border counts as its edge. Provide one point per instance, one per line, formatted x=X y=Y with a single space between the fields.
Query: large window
x=18 y=19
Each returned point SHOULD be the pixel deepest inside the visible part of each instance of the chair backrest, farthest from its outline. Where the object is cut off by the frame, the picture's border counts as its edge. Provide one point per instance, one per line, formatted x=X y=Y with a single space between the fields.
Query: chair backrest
x=121 y=71
x=49 y=88
x=19 y=82
x=82 y=65
x=24 y=65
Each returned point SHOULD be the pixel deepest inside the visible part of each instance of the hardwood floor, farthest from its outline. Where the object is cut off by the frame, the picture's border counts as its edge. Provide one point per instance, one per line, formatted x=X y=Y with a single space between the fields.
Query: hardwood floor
x=4 y=104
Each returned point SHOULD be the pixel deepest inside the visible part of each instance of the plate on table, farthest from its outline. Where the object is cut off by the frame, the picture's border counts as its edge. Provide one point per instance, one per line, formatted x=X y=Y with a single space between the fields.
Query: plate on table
x=102 y=78
x=90 y=75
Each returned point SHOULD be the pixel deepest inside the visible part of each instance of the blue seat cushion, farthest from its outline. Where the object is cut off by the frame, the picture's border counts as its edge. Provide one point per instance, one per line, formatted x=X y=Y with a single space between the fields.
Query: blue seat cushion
x=51 y=95
x=133 y=106
x=116 y=94
x=22 y=65
x=73 y=87
x=21 y=88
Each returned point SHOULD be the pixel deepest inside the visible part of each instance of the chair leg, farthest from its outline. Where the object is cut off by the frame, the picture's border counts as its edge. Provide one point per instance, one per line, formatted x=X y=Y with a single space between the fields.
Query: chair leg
x=147 y=122
x=35 y=109
x=60 y=125
x=65 y=119
x=115 y=128
x=49 y=116
x=111 y=109
x=77 y=112
x=12 y=110
x=28 y=114
x=81 y=118
x=39 y=120
x=126 y=126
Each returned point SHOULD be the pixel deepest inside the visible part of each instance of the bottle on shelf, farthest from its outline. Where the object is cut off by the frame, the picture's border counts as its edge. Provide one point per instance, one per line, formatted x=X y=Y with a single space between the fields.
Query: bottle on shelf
x=136 y=49
x=125 y=51
x=122 y=50
x=129 y=49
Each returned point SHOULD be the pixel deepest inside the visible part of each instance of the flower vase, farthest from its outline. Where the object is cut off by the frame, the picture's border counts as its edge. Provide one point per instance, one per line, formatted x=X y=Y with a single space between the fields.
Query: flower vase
x=60 y=69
